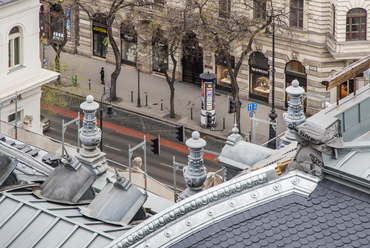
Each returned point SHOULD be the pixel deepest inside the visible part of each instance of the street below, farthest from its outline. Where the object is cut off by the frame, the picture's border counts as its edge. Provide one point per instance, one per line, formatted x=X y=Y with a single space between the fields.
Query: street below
x=116 y=141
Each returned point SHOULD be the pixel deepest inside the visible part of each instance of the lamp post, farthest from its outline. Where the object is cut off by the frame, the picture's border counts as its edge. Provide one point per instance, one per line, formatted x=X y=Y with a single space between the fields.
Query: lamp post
x=273 y=114
x=138 y=85
x=109 y=113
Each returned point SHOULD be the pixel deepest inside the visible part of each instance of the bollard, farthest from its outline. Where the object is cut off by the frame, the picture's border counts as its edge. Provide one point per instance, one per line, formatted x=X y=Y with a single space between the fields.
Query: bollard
x=223 y=123
x=146 y=100
x=89 y=84
x=161 y=104
x=132 y=96
x=191 y=113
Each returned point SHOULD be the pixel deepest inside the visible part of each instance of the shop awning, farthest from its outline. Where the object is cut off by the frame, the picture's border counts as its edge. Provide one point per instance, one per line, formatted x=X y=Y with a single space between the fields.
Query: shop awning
x=347 y=73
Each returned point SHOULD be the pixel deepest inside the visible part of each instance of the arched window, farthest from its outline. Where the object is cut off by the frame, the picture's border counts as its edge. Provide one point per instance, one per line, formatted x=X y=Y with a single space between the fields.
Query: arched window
x=356 y=24
x=14 y=51
x=295 y=70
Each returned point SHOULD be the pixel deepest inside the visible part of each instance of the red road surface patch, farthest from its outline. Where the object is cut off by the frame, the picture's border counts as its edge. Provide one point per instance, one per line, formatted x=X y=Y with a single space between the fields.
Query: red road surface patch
x=126 y=131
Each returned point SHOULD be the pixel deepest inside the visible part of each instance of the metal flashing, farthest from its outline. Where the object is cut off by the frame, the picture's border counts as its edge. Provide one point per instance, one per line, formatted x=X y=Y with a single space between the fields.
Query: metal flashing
x=68 y=186
x=117 y=203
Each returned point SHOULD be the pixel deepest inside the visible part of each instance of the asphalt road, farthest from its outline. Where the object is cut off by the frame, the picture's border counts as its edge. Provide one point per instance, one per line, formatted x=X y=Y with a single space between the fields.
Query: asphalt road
x=116 y=145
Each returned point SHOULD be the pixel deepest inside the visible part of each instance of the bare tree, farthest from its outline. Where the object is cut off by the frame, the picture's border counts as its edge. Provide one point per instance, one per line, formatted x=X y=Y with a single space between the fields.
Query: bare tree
x=233 y=29
x=108 y=11
x=57 y=16
x=170 y=27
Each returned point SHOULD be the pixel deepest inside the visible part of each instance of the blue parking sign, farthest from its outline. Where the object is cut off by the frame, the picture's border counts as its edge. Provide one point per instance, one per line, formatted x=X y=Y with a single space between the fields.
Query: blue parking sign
x=252 y=106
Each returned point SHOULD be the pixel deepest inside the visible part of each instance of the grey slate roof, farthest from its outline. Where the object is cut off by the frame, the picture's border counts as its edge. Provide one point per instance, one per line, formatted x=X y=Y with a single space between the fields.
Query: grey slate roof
x=333 y=216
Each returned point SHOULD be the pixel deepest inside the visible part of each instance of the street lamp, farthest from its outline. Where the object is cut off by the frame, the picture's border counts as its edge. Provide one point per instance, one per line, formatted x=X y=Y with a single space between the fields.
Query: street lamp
x=138 y=85
x=109 y=113
x=273 y=114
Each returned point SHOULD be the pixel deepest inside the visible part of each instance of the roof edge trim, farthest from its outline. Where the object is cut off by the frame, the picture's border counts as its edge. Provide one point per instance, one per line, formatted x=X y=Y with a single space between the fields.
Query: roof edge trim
x=208 y=207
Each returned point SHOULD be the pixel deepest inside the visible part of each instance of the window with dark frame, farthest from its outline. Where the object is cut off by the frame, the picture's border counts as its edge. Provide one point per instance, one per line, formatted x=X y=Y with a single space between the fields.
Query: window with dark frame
x=14 y=47
x=296 y=13
x=259 y=9
x=356 y=24
x=333 y=19
x=225 y=8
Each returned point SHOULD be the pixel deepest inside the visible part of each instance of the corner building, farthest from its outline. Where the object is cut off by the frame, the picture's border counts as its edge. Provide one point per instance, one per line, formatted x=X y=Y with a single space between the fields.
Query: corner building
x=326 y=36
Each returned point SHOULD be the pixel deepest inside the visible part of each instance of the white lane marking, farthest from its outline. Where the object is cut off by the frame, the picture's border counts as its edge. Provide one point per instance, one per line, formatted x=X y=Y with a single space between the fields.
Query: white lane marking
x=111 y=147
x=166 y=165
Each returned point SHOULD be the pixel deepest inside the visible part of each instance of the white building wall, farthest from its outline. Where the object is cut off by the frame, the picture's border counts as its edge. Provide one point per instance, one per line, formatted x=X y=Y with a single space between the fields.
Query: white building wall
x=26 y=79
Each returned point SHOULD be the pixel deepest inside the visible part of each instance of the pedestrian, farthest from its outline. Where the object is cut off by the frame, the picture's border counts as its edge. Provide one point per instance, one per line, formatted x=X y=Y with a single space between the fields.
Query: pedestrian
x=102 y=75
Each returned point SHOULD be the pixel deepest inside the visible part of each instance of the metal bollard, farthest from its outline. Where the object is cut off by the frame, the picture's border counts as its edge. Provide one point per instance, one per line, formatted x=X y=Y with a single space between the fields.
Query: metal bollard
x=132 y=96
x=89 y=84
x=191 y=113
x=223 y=123
x=161 y=104
x=146 y=100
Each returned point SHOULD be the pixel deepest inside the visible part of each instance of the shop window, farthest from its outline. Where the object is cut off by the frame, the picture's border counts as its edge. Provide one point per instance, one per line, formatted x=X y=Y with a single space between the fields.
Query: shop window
x=259 y=86
x=14 y=47
x=128 y=45
x=100 y=37
x=160 y=52
x=56 y=22
x=296 y=13
x=225 y=7
x=259 y=9
x=223 y=80
x=356 y=24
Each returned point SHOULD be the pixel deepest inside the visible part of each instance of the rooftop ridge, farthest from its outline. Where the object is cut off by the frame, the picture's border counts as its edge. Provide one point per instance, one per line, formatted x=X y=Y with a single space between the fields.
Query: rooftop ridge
x=295 y=182
x=27 y=159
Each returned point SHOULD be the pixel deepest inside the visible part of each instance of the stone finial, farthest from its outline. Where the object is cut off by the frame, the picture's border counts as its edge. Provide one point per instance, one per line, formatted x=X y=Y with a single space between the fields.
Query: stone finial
x=235 y=136
x=90 y=134
x=295 y=115
x=195 y=173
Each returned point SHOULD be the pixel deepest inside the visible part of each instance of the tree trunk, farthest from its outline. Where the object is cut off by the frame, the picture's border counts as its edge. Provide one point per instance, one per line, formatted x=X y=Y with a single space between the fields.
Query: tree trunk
x=171 y=84
x=117 y=56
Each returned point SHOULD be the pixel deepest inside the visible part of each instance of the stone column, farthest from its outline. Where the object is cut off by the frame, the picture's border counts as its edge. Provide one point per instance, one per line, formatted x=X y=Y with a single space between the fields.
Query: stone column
x=195 y=173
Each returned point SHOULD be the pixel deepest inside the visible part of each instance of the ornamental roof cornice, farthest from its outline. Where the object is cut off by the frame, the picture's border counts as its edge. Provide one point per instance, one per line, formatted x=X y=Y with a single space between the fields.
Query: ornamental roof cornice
x=208 y=207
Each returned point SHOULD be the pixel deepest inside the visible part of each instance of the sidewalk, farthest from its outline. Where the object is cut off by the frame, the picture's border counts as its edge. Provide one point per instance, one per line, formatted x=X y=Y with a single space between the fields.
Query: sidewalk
x=154 y=88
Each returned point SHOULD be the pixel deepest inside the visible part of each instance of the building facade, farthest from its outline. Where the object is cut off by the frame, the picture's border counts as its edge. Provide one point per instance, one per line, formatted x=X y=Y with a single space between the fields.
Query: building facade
x=324 y=37
x=20 y=66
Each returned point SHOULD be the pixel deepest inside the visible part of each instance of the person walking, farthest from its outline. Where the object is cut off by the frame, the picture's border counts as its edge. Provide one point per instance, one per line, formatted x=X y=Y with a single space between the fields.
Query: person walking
x=102 y=75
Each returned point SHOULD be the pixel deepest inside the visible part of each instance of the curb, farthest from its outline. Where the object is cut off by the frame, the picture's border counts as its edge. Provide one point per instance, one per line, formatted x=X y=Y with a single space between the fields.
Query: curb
x=149 y=116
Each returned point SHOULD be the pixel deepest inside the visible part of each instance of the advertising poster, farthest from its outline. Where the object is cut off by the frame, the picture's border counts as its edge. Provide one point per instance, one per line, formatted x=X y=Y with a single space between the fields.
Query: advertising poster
x=68 y=24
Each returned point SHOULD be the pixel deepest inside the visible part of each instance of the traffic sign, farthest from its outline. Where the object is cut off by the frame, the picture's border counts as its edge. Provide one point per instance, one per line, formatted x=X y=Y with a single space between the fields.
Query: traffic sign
x=252 y=106
x=252 y=114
